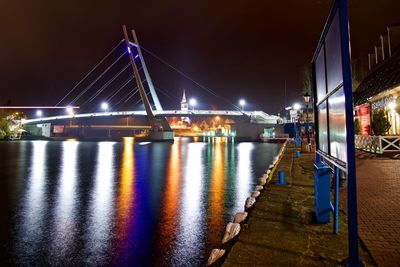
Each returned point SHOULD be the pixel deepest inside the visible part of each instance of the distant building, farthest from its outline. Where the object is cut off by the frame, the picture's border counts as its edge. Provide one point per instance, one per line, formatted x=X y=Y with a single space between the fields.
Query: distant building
x=380 y=89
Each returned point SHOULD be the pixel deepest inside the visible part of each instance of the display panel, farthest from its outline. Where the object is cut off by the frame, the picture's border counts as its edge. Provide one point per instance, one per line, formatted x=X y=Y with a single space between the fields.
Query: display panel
x=323 y=127
x=320 y=75
x=333 y=55
x=337 y=125
x=365 y=119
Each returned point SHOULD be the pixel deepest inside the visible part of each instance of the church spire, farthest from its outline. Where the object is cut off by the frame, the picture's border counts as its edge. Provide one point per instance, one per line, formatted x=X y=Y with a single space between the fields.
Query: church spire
x=184 y=96
x=184 y=104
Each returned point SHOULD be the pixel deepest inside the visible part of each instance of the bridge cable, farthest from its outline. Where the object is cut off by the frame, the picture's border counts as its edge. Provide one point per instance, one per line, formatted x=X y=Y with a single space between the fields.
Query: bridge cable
x=164 y=92
x=104 y=86
x=113 y=94
x=98 y=64
x=188 y=77
x=135 y=90
x=110 y=96
x=98 y=78
x=140 y=100
x=131 y=95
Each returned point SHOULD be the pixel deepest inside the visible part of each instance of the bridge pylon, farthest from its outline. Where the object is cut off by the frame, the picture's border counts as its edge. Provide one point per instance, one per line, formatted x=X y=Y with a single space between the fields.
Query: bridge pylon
x=160 y=129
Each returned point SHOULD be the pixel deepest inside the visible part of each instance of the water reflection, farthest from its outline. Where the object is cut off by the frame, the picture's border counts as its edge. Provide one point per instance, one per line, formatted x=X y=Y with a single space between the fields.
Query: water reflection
x=169 y=213
x=132 y=205
x=244 y=173
x=101 y=206
x=126 y=195
x=216 y=188
x=65 y=228
x=32 y=230
x=192 y=212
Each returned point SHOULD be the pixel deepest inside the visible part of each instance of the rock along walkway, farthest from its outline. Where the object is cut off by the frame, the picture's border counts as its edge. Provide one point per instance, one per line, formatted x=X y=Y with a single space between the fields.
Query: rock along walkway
x=280 y=230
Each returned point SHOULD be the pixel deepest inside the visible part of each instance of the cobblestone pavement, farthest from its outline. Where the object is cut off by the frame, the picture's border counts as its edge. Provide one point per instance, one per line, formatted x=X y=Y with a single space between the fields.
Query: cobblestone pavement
x=378 y=189
x=280 y=230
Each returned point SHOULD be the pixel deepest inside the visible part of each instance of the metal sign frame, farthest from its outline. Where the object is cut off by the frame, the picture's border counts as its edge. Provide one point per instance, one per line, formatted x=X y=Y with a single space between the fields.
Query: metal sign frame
x=343 y=160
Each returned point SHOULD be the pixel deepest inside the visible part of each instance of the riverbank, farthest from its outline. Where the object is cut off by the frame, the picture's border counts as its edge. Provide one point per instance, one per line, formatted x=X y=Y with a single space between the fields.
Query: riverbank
x=281 y=231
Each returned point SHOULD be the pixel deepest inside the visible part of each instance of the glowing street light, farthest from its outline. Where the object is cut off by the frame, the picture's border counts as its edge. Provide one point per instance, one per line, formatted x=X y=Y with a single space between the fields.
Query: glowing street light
x=39 y=113
x=104 y=106
x=242 y=102
x=192 y=102
x=296 y=106
x=70 y=110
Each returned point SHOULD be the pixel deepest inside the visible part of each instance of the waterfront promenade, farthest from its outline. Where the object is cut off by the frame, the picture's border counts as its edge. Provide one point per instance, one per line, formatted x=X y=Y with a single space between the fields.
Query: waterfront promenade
x=281 y=230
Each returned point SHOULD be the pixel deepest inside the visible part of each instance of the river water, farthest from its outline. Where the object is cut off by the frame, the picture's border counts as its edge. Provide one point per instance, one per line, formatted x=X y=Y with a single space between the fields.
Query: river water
x=122 y=203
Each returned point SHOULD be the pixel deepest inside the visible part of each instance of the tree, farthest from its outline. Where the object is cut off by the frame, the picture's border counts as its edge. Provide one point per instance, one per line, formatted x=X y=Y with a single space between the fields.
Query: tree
x=4 y=125
x=380 y=124
x=8 y=124
x=307 y=79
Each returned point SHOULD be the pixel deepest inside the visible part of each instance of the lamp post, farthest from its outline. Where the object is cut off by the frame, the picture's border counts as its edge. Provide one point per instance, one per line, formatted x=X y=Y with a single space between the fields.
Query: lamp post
x=307 y=100
x=39 y=113
x=296 y=108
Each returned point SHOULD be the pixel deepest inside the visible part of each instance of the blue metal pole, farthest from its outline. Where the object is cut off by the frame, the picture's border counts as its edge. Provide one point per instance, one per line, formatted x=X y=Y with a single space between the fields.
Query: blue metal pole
x=336 y=210
x=351 y=166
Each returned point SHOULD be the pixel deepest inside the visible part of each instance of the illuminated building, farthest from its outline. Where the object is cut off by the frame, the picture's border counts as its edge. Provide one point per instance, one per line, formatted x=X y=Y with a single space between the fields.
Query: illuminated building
x=380 y=89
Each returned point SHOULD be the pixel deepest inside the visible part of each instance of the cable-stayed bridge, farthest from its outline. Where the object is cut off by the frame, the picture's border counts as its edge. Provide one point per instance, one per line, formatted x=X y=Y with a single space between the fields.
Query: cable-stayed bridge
x=121 y=81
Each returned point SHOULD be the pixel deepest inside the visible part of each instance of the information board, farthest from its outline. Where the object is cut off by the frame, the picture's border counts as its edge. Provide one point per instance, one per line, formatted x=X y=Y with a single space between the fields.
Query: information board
x=333 y=107
x=330 y=101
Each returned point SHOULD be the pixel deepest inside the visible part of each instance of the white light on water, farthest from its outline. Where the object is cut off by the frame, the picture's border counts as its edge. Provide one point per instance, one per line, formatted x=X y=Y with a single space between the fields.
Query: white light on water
x=102 y=200
x=243 y=172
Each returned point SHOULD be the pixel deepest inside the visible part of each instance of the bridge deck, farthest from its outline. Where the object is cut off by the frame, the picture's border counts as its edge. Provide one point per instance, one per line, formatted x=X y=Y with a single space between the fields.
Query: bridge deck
x=165 y=113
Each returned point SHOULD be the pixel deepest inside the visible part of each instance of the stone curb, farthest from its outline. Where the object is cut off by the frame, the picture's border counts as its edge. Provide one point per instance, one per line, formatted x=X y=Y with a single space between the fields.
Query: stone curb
x=232 y=230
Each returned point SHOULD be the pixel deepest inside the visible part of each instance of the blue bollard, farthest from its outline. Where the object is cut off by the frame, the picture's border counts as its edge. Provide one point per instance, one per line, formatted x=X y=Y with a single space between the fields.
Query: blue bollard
x=281 y=176
x=297 y=141
x=297 y=154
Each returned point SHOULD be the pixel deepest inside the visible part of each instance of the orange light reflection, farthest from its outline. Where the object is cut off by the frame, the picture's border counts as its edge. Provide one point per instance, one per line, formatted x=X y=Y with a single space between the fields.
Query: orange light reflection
x=126 y=194
x=216 y=194
x=169 y=217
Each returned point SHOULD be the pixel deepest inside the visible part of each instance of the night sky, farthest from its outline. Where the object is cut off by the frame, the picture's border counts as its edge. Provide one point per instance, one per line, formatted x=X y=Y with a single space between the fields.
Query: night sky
x=236 y=48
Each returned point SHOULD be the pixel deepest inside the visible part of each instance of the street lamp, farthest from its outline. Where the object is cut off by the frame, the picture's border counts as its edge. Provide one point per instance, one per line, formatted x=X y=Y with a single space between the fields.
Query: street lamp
x=39 y=113
x=296 y=106
x=307 y=100
x=104 y=106
x=192 y=102
x=242 y=102
x=70 y=110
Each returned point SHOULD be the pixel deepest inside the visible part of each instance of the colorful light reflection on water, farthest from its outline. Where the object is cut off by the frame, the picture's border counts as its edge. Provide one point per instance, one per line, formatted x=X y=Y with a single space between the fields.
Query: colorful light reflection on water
x=125 y=204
